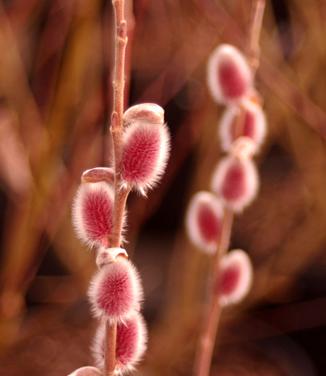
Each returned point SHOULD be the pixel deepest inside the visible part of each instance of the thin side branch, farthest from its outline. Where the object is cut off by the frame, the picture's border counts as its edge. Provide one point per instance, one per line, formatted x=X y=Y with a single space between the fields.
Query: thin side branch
x=255 y=31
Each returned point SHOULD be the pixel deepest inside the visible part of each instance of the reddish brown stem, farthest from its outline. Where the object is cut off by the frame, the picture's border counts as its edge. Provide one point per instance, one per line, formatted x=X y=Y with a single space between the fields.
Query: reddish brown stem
x=212 y=318
x=256 y=23
x=120 y=194
x=110 y=345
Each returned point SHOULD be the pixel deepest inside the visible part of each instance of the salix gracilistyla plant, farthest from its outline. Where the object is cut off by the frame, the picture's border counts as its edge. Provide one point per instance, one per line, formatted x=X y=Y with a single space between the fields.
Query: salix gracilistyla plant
x=115 y=291
x=234 y=182
x=141 y=145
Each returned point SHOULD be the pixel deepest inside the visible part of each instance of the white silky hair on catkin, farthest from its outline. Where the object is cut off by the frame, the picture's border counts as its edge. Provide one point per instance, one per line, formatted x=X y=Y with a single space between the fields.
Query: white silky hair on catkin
x=86 y=371
x=144 y=112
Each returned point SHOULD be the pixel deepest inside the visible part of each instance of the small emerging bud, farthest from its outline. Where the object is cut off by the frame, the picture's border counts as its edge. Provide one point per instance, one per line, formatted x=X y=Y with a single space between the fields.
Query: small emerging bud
x=243 y=148
x=86 y=371
x=115 y=290
x=92 y=213
x=235 y=277
x=252 y=125
x=145 y=154
x=235 y=180
x=229 y=75
x=108 y=255
x=130 y=347
x=145 y=112
x=98 y=174
x=204 y=221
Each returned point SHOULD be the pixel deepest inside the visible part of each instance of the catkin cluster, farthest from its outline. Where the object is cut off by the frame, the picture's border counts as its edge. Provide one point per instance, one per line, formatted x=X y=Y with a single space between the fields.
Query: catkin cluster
x=234 y=182
x=115 y=291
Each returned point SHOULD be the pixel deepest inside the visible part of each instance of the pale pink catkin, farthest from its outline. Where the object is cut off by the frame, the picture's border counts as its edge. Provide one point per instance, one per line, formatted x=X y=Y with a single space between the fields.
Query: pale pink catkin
x=236 y=182
x=130 y=347
x=145 y=154
x=115 y=290
x=228 y=75
x=235 y=278
x=204 y=221
x=254 y=125
x=92 y=213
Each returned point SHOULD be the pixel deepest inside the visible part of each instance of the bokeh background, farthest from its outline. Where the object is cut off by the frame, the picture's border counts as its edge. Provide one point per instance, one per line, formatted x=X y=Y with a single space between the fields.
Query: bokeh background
x=55 y=100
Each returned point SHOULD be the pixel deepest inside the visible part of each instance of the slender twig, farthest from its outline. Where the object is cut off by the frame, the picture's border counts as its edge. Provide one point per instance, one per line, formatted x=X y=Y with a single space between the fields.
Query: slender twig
x=120 y=193
x=213 y=314
x=110 y=346
x=211 y=321
x=256 y=25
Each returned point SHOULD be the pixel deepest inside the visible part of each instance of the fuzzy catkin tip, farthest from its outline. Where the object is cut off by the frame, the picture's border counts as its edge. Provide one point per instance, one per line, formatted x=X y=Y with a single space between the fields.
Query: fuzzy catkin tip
x=145 y=154
x=92 y=213
x=115 y=290
x=86 y=371
x=131 y=343
x=228 y=74
x=235 y=279
x=253 y=125
x=145 y=112
x=204 y=221
x=236 y=182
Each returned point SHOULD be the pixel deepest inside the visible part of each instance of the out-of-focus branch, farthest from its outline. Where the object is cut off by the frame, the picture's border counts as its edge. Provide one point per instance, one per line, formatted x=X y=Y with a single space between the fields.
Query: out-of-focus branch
x=46 y=69
x=254 y=35
x=14 y=165
x=212 y=318
x=213 y=315
x=27 y=223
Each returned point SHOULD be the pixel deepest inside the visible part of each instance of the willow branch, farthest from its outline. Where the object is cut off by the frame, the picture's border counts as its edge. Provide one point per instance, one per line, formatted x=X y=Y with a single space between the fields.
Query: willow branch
x=213 y=315
x=120 y=194
x=255 y=31
x=211 y=321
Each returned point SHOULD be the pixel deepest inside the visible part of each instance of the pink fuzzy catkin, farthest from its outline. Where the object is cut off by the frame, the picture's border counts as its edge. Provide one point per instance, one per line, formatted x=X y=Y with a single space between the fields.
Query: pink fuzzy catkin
x=92 y=213
x=146 y=145
x=130 y=347
x=235 y=181
x=253 y=127
x=204 y=221
x=115 y=290
x=229 y=76
x=235 y=277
